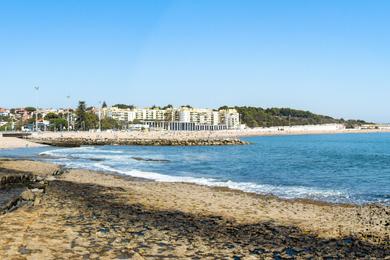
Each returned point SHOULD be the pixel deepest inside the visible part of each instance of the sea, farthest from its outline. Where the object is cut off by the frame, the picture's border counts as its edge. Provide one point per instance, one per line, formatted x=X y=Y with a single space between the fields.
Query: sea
x=339 y=168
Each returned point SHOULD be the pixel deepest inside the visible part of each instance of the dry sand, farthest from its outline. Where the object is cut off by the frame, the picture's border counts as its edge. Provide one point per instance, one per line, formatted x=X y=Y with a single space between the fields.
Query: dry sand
x=13 y=142
x=86 y=214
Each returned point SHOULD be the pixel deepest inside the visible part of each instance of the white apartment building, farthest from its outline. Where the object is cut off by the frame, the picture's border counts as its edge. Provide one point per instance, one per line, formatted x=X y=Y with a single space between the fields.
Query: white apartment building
x=185 y=118
x=230 y=118
x=123 y=115
x=129 y=115
x=185 y=115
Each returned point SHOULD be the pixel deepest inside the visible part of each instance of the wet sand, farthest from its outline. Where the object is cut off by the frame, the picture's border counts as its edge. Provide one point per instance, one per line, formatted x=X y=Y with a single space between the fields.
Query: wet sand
x=86 y=214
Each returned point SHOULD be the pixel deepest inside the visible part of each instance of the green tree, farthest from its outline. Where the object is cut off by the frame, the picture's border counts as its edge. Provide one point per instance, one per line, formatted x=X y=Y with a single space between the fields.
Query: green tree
x=91 y=121
x=223 y=108
x=58 y=123
x=167 y=106
x=81 y=116
x=123 y=106
x=30 y=109
x=51 y=115
x=109 y=123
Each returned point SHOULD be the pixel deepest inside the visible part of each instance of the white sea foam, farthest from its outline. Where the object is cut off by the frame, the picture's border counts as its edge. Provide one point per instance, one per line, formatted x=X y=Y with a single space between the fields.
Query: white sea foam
x=288 y=192
x=88 y=153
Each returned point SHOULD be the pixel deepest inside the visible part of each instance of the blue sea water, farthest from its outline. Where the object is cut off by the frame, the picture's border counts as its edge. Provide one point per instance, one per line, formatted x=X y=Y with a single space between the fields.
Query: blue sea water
x=344 y=168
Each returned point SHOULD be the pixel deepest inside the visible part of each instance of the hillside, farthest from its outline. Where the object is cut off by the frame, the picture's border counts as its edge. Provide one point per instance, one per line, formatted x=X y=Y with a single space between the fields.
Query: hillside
x=260 y=117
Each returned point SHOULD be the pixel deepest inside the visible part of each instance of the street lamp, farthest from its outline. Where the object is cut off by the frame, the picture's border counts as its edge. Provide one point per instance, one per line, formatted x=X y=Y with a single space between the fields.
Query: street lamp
x=68 y=97
x=100 y=116
x=36 y=109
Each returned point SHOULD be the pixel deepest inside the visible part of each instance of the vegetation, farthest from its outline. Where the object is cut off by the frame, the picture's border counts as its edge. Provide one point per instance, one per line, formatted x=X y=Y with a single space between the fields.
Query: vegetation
x=6 y=127
x=30 y=109
x=109 y=123
x=259 y=117
x=85 y=120
x=5 y=119
x=123 y=106
x=169 y=106
x=57 y=121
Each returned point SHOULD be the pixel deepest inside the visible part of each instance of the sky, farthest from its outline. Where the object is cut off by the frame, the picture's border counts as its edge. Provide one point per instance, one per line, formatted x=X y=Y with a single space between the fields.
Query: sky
x=330 y=57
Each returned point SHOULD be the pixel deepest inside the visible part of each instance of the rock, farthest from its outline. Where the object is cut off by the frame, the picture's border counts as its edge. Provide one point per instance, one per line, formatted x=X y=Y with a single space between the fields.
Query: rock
x=137 y=256
x=37 y=201
x=27 y=195
x=180 y=250
x=36 y=190
x=76 y=142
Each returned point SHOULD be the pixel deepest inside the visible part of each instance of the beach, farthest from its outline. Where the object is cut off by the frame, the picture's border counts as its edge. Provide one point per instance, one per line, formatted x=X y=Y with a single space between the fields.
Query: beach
x=90 y=214
x=13 y=143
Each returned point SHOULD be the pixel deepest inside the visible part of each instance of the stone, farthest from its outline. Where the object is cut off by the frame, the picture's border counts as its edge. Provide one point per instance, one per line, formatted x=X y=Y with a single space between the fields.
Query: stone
x=137 y=256
x=37 y=201
x=36 y=190
x=27 y=195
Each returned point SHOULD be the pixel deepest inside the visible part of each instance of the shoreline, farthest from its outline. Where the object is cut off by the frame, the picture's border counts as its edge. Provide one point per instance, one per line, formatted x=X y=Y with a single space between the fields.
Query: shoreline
x=80 y=212
x=183 y=138
x=163 y=138
x=236 y=190
x=239 y=189
x=216 y=188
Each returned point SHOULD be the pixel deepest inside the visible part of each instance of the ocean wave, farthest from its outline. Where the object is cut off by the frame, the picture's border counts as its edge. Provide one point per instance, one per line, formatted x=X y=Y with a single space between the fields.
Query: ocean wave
x=288 y=192
x=121 y=162
x=92 y=150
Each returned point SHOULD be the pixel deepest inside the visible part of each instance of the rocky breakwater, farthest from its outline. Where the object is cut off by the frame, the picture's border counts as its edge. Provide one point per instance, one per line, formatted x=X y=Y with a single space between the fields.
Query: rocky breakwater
x=77 y=142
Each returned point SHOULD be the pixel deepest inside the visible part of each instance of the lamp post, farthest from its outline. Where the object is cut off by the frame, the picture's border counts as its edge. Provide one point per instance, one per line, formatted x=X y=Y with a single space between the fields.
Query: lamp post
x=100 y=116
x=68 y=97
x=36 y=109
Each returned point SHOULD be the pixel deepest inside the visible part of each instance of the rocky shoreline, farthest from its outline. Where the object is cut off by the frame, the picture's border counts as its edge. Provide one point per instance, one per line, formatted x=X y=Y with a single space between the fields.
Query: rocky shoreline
x=77 y=142
x=22 y=188
x=91 y=215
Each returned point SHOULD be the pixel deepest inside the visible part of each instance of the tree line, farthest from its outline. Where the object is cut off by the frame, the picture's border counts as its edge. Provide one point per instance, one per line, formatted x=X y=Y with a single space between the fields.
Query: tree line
x=260 y=117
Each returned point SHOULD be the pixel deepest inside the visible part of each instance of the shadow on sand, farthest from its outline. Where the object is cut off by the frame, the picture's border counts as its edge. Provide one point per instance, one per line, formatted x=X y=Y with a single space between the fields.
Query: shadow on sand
x=107 y=211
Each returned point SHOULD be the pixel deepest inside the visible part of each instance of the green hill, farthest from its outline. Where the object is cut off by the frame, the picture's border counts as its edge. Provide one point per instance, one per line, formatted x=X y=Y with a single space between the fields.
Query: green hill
x=260 y=117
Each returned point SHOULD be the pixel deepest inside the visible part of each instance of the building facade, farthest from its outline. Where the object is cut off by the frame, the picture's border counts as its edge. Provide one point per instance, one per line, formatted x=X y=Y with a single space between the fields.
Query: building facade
x=182 y=118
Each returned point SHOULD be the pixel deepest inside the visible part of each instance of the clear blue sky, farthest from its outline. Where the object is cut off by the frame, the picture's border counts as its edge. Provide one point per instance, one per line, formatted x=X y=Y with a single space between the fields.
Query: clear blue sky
x=330 y=57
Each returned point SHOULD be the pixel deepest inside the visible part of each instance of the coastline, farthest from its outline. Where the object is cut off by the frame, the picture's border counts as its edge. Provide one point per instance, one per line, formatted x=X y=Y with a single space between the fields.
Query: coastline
x=183 y=220
x=196 y=135
x=164 y=138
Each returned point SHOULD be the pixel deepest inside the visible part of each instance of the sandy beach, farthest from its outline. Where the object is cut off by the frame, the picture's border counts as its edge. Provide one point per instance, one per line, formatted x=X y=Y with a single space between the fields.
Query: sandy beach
x=92 y=214
x=13 y=142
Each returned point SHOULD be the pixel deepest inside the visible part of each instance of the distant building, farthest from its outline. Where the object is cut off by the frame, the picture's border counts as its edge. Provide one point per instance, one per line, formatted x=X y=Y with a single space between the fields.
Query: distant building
x=4 y=112
x=182 y=118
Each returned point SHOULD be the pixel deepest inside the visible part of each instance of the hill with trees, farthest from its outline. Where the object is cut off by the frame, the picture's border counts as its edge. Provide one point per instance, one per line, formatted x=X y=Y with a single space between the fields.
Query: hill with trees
x=260 y=117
